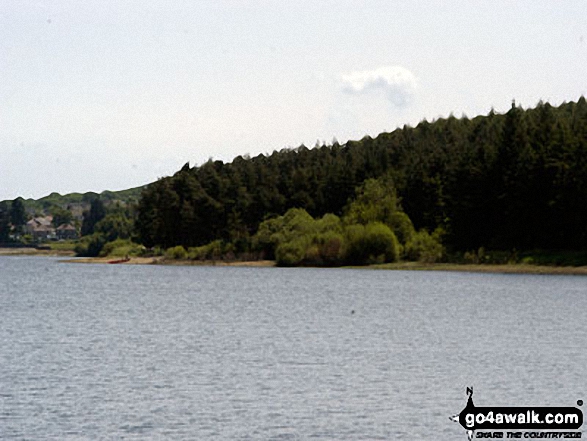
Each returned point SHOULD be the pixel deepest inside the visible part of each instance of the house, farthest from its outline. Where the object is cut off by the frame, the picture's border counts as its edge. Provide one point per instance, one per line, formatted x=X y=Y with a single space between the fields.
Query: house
x=40 y=228
x=66 y=232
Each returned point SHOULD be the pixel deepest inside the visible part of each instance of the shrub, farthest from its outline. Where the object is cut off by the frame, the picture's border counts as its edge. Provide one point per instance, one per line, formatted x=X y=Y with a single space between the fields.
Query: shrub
x=90 y=246
x=372 y=243
x=402 y=227
x=122 y=248
x=293 y=225
x=177 y=252
x=291 y=253
x=330 y=247
x=425 y=247
x=211 y=251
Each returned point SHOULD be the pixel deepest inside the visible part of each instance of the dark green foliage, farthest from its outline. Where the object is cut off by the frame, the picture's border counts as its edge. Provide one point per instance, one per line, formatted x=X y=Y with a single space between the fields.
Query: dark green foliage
x=90 y=246
x=61 y=216
x=4 y=222
x=114 y=226
x=101 y=226
x=517 y=180
x=96 y=213
x=18 y=216
x=178 y=211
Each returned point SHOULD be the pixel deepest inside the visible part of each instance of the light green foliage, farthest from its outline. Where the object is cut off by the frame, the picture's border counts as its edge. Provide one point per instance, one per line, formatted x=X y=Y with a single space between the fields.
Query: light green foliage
x=371 y=243
x=328 y=223
x=213 y=251
x=402 y=227
x=317 y=249
x=425 y=247
x=301 y=240
x=63 y=245
x=292 y=253
x=177 y=252
x=295 y=223
x=267 y=238
x=298 y=239
x=375 y=201
x=121 y=248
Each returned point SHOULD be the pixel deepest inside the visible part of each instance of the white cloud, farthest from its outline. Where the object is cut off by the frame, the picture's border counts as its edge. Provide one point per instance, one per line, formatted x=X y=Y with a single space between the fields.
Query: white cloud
x=397 y=83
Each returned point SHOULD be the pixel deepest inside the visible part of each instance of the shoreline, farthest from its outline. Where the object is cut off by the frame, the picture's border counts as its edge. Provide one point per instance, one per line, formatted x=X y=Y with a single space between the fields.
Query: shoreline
x=163 y=261
x=400 y=266
x=25 y=251
x=515 y=268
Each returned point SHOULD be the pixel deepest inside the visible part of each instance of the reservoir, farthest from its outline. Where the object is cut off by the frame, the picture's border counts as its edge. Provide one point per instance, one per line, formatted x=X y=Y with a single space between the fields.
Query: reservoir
x=232 y=353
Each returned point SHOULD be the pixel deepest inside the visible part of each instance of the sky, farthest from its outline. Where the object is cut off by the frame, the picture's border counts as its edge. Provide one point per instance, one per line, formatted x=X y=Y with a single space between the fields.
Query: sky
x=108 y=94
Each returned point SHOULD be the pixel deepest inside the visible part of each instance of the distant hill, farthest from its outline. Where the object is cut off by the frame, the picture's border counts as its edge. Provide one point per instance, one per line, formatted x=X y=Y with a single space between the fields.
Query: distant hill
x=44 y=204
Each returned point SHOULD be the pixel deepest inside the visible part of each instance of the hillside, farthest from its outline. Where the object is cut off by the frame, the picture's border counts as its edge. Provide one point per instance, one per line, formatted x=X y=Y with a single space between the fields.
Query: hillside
x=514 y=181
x=44 y=204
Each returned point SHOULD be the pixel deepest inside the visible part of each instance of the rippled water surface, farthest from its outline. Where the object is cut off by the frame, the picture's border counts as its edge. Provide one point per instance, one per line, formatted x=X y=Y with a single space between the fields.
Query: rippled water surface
x=154 y=352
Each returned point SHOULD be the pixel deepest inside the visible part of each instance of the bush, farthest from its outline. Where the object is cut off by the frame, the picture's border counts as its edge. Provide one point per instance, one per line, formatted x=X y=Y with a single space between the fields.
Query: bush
x=291 y=253
x=402 y=227
x=373 y=243
x=177 y=252
x=293 y=225
x=425 y=247
x=121 y=248
x=90 y=246
x=211 y=251
x=330 y=247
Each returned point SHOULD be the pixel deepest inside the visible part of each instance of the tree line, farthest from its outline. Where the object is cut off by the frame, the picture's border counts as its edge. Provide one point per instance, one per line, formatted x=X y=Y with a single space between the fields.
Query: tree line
x=502 y=181
x=513 y=181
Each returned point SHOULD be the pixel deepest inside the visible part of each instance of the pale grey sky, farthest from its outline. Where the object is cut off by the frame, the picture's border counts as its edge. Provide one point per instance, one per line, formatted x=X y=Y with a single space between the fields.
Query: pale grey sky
x=111 y=94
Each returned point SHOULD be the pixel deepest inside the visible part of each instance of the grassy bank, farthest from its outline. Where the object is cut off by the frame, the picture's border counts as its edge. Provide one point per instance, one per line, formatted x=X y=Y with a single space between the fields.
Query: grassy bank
x=516 y=268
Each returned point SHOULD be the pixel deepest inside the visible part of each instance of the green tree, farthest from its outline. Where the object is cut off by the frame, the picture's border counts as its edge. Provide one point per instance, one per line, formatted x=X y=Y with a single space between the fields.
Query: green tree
x=96 y=213
x=114 y=226
x=375 y=201
x=4 y=222
x=498 y=181
x=18 y=215
x=61 y=216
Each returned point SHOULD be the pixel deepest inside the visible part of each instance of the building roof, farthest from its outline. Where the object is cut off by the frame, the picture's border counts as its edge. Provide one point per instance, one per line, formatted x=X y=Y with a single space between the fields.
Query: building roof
x=66 y=227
